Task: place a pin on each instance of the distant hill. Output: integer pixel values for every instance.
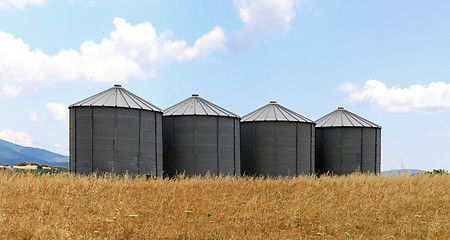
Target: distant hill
(402, 171)
(12, 154)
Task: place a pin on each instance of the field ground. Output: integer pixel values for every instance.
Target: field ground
(63, 206)
(32, 169)
(28, 167)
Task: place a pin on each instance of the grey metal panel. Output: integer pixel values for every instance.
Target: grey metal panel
(116, 140)
(226, 146)
(305, 148)
(159, 144)
(116, 97)
(168, 145)
(378, 152)
(149, 154)
(277, 148)
(344, 118)
(197, 145)
(331, 150)
(343, 150)
(312, 159)
(183, 146)
(196, 105)
(206, 140)
(369, 149)
(274, 112)
(103, 138)
(83, 139)
(127, 141)
(237, 149)
(266, 161)
(351, 150)
(72, 143)
(318, 160)
(248, 148)
(286, 144)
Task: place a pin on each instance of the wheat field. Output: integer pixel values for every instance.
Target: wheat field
(64, 206)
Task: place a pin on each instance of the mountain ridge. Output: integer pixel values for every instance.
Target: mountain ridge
(396, 172)
(12, 154)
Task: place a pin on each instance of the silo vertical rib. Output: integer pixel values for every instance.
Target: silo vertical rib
(75, 140)
(139, 144)
(362, 148)
(92, 140)
(195, 144)
(234, 144)
(296, 149)
(276, 151)
(254, 149)
(115, 140)
(217, 147)
(376, 150)
(156, 146)
(171, 148)
(312, 136)
(342, 147)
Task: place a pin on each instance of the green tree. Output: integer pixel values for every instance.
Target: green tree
(24, 163)
(36, 164)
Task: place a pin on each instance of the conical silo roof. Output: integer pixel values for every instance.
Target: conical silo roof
(274, 112)
(116, 96)
(344, 118)
(195, 105)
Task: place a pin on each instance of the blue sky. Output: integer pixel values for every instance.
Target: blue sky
(387, 61)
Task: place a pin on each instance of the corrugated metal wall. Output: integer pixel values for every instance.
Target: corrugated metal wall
(200, 144)
(277, 148)
(344, 150)
(118, 140)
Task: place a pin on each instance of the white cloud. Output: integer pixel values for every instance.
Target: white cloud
(33, 117)
(347, 87)
(20, 138)
(207, 44)
(430, 98)
(263, 19)
(58, 110)
(131, 52)
(9, 90)
(439, 133)
(20, 4)
(266, 17)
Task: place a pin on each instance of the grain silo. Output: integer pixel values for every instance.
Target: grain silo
(115, 131)
(346, 142)
(200, 137)
(276, 141)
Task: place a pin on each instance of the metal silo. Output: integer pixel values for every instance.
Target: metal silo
(200, 137)
(115, 131)
(346, 142)
(276, 141)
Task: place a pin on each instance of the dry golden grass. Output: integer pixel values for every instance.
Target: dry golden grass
(63, 206)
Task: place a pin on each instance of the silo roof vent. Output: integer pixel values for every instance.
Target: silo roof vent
(344, 118)
(274, 112)
(116, 97)
(196, 105)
